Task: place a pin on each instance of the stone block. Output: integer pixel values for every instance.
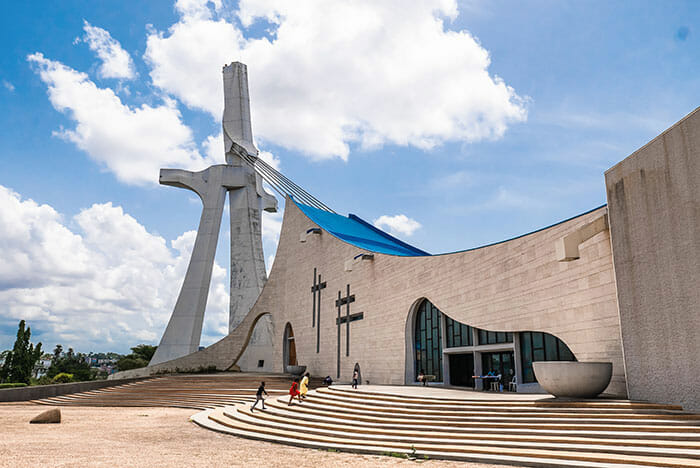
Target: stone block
(52, 416)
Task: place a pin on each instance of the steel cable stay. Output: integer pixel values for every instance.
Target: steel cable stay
(278, 181)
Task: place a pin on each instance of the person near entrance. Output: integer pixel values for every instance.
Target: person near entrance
(421, 378)
(259, 396)
(355, 376)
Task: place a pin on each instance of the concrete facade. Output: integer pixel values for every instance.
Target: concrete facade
(516, 285)
(617, 284)
(654, 200)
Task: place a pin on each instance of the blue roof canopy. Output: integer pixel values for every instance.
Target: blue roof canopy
(356, 231)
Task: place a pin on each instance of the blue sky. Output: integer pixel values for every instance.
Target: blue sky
(387, 117)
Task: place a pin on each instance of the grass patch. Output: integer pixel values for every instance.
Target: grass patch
(13, 385)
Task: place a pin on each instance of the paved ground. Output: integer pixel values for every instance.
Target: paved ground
(154, 437)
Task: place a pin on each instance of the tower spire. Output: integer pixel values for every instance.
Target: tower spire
(238, 133)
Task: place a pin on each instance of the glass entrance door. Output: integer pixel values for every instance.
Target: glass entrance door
(501, 363)
(462, 369)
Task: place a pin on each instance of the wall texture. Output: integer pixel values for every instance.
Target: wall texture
(513, 286)
(654, 210)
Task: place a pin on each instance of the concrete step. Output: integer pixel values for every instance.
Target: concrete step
(458, 451)
(466, 411)
(302, 412)
(367, 413)
(281, 416)
(543, 402)
(202, 419)
(269, 420)
(182, 391)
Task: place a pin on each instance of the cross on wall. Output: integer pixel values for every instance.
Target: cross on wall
(316, 312)
(345, 301)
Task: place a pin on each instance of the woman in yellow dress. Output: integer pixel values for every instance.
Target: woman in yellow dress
(304, 386)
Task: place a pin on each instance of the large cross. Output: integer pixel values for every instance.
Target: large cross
(344, 301)
(316, 290)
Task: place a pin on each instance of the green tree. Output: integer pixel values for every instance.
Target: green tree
(20, 362)
(57, 352)
(139, 357)
(144, 351)
(127, 363)
(63, 378)
(69, 363)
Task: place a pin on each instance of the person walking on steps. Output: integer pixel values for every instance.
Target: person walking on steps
(355, 377)
(259, 396)
(304, 386)
(294, 392)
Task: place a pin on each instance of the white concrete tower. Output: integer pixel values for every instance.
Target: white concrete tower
(247, 199)
(247, 203)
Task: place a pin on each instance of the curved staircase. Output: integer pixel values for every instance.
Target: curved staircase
(196, 391)
(545, 432)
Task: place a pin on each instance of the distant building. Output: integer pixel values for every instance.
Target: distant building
(42, 366)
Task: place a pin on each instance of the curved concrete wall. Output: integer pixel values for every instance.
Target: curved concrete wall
(516, 285)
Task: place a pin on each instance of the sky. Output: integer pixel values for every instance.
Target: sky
(450, 124)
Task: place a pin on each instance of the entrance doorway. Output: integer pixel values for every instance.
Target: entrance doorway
(501, 363)
(289, 348)
(462, 369)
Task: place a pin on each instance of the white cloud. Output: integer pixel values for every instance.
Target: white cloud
(328, 75)
(398, 224)
(8, 86)
(334, 73)
(36, 248)
(133, 143)
(116, 62)
(109, 277)
(270, 159)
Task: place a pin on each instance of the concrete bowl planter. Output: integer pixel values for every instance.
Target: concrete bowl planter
(571, 379)
(296, 370)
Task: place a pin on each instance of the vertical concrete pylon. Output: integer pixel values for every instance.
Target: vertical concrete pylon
(184, 329)
(248, 199)
(236, 119)
(247, 203)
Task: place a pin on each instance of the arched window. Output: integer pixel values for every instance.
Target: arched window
(428, 341)
(458, 334)
(540, 346)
